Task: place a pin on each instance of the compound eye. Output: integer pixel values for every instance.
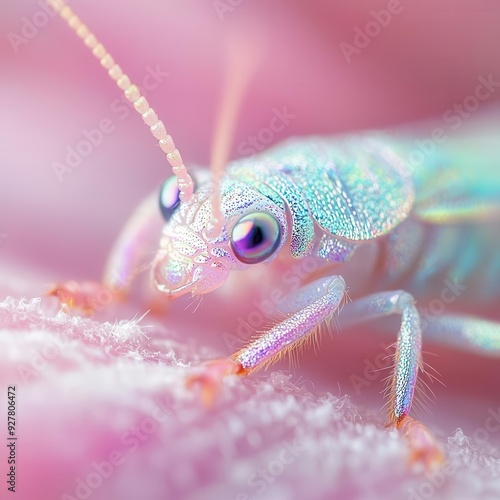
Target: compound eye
(255, 237)
(169, 197)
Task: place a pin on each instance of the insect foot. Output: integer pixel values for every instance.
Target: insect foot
(210, 375)
(426, 454)
(86, 297)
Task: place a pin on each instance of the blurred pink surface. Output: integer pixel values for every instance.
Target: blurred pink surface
(428, 58)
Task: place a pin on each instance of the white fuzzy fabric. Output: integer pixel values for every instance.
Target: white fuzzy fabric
(83, 386)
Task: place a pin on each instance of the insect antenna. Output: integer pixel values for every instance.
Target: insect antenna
(243, 57)
(133, 94)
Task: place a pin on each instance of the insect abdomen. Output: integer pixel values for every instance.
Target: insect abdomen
(423, 257)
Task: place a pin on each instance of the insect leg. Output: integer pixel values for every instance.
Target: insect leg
(312, 304)
(424, 448)
(466, 333)
(128, 256)
(132, 248)
(408, 350)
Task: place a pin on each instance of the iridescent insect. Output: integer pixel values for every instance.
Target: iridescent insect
(392, 232)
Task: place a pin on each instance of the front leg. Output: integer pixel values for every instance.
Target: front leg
(309, 307)
(130, 255)
(314, 303)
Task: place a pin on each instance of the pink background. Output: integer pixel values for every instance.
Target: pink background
(428, 58)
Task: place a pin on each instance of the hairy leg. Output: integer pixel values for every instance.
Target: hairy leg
(424, 448)
(308, 308)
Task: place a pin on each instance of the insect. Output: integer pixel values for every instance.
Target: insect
(386, 229)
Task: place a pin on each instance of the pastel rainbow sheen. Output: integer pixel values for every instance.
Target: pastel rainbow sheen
(255, 237)
(354, 188)
(408, 361)
(325, 296)
(169, 197)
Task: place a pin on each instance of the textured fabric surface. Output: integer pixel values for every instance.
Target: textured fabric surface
(104, 414)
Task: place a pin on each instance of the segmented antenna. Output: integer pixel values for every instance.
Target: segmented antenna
(132, 93)
(243, 55)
